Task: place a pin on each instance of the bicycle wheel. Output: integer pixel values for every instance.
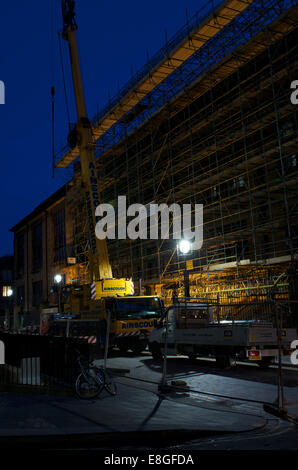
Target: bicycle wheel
(88, 386)
(99, 376)
(110, 385)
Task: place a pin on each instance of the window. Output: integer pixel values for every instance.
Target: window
(21, 295)
(135, 308)
(287, 129)
(37, 293)
(7, 291)
(59, 236)
(238, 183)
(291, 163)
(37, 246)
(6, 275)
(214, 193)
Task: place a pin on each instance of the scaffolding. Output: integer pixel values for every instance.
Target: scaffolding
(245, 25)
(218, 130)
(206, 23)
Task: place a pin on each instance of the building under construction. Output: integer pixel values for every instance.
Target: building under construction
(208, 120)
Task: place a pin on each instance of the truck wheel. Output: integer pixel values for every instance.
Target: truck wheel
(192, 357)
(264, 363)
(139, 347)
(123, 348)
(223, 361)
(156, 351)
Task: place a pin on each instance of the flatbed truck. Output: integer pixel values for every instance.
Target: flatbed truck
(190, 328)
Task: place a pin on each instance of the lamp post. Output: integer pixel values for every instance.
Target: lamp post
(184, 248)
(9, 294)
(58, 280)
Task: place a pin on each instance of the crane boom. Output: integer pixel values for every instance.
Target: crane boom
(99, 265)
(108, 297)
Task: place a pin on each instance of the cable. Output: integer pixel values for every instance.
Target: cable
(52, 60)
(53, 130)
(64, 82)
(292, 420)
(203, 393)
(204, 406)
(52, 42)
(179, 389)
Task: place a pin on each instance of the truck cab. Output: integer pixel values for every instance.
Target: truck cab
(132, 319)
(179, 316)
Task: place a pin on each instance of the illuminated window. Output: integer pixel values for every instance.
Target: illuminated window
(6, 291)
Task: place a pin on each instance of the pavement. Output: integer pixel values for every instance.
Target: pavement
(141, 412)
(135, 409)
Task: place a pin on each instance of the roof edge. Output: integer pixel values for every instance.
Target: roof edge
(41, 207)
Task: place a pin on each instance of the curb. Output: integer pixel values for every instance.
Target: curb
(151, 439)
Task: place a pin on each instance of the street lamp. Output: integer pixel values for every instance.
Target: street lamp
(9, 294)
(184, 248)
(58, 280)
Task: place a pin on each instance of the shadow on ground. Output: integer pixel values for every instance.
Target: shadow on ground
(183, 366)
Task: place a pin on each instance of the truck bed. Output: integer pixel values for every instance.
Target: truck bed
(244, 334)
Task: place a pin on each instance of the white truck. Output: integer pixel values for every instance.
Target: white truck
(189, 328)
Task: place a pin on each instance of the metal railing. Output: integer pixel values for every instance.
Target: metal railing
(40, 362)
(255, 308)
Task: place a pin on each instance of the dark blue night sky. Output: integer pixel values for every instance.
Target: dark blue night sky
(113, 37)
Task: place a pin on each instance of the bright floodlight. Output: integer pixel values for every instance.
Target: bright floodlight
(9, 292)
(58, 278)
(184, 246)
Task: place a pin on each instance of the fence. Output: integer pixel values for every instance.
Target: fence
(252, 308)
(40, 362)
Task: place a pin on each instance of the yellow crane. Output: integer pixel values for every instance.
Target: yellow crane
(82, 136)
(132, 317)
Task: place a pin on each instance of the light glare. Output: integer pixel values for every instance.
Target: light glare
(58, 278)
(184, 246)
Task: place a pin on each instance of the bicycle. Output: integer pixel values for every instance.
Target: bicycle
(109, 383)
(92, 380)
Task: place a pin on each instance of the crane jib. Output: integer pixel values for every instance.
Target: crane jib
(91, 223)
(92, 201)
(93, 185)
(98, 260)
(68, 14)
